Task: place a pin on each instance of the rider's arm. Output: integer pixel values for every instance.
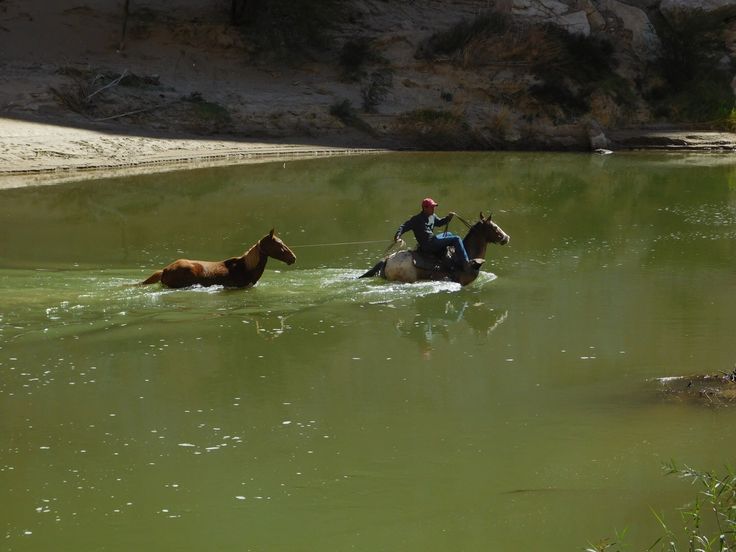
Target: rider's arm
(444, 221)
(405, 227)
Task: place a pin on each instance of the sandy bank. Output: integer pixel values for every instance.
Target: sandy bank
(40, 153)
(199, 94)
(35, 153)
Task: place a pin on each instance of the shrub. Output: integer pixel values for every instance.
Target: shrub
(88, 87)
(291, 27)
(355, 55)
(580, 65)
(376, 89)
(458, 36)
(555, 92)
(730, 122)
(581, 58)
(694, 88)
(344, 111)
(209, 111)
(436, 129)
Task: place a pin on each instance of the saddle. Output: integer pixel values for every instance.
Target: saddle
(440, 263)
(429, 262)
(436, 263)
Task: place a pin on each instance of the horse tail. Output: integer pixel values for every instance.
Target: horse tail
(152, 279)
(375, 270)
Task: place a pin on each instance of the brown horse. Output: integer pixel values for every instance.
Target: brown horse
(410, 266)
(241, 271)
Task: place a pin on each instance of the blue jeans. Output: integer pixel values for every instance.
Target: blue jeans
(438, 244)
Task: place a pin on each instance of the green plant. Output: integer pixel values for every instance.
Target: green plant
(616, 544)
(707, 525)
(730, 121)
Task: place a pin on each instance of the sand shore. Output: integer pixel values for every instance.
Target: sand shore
(37, 153)
(201, 82)
(34, 153)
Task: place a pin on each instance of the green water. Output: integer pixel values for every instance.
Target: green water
(320, 412)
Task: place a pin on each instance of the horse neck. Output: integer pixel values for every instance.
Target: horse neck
(475, 245)
(255, 259)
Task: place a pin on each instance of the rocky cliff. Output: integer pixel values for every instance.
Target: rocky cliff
(491, 74)
(554, 73)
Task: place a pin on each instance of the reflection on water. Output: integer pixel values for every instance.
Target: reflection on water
(361, 413)
(433, 325)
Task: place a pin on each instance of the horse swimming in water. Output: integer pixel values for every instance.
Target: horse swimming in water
(238, 272)
(410, 266)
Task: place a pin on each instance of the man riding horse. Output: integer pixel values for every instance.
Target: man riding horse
(423, 223)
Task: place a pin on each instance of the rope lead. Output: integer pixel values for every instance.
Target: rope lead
(338, 243)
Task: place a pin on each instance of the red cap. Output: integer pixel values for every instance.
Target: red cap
(429, 202)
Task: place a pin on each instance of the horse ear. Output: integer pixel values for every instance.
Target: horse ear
(272, 232)
(481, 216)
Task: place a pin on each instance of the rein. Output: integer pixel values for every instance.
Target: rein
(461, 219)
(465, 222)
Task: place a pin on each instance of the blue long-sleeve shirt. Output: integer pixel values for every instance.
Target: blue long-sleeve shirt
(423, 227)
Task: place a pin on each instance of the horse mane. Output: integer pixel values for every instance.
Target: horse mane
(474, 243)
(474, 229)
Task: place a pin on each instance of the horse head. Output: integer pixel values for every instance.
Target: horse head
(491, 232)
(272, 246)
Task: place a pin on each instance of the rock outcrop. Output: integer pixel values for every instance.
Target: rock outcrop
(714, 389)
(440, 74)
(678, 12)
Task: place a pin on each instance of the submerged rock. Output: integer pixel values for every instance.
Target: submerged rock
(715, 388)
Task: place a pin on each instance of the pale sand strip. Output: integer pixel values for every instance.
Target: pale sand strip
(34, 154)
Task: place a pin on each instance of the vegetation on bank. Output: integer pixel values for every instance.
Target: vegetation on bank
(493, 81)
(690, 82)
(564, 69)
(98, 95)
(436, 129)
(462, 35)
(345, 112)
(706, 525)
(565, 72)
(284, 28)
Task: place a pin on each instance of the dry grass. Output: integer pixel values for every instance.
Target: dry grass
(436, 130)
